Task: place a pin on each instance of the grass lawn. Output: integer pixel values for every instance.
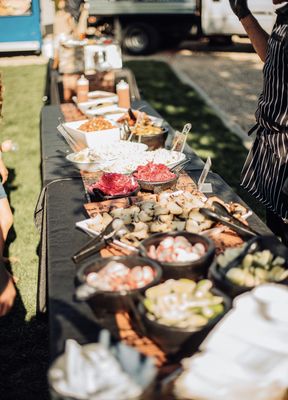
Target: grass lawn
(23, 337)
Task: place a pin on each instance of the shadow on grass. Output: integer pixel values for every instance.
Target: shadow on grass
(23, 344)
(24, 355)
(180, 104)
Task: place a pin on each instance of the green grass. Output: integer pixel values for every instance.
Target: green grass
(23, 337)
(179, 104)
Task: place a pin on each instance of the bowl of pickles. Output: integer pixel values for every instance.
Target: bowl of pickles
(179, 313)
(261, 260)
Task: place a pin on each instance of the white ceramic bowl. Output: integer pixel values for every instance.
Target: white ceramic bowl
(87, 166)
(94, 138)
(169, 158)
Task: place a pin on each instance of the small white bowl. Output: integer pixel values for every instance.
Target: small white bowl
(87, 166)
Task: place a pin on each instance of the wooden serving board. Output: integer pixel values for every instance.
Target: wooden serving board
(225, 239)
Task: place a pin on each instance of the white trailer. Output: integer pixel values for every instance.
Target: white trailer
(217, 17)
(142, 25)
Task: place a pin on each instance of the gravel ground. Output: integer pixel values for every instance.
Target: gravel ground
(231, 78)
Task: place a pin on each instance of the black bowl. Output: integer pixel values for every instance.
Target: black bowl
(231, 289)
(98, 195)
(176, 270)
(153, 142)
(171, 339)
(108, 300)
(157, 187)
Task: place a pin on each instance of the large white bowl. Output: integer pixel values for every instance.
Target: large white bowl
(181, 157)
(95, 138)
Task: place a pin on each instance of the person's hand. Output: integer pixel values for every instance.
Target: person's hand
(240, 8)
(3, 171)
(7, 297)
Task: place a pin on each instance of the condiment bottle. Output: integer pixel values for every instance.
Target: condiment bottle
(122, 89)
(82, 89)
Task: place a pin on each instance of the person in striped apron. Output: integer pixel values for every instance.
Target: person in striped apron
(265, 172)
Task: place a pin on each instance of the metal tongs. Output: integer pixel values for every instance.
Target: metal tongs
(226, 218)
(98, 243)
(132, 115)
(68, 138)
(180, 166)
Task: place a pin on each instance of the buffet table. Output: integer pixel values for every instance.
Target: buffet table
(55, 168)
(60, 207)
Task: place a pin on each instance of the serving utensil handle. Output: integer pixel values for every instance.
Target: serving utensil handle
(180, 166)
(215, 217)
(89, 251)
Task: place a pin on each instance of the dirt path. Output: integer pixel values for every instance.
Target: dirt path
(232, 80)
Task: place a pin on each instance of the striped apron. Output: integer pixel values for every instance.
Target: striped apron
(266, 167)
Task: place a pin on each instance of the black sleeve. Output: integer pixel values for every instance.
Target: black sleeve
(73, 7)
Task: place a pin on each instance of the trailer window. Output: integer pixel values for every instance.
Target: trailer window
(15, 7)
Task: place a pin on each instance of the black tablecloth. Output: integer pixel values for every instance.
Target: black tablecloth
(69, 319)
(63, 207)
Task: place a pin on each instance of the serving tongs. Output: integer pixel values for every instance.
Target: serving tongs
(131, 114)
(127, 131)
(98, 243)
(66, 135)
(180, 166)
(226, 218)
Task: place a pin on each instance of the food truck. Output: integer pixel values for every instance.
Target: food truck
(20, 27)
(142, 25)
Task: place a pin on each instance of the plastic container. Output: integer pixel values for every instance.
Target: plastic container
(123, 92)
(92, 139)
(82, 89)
